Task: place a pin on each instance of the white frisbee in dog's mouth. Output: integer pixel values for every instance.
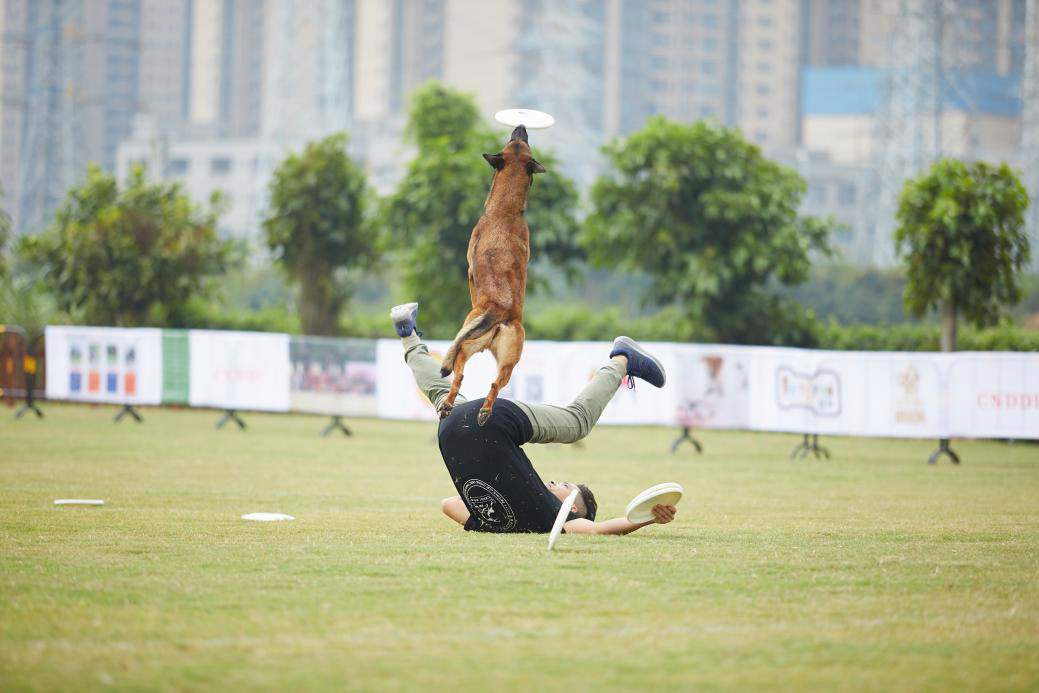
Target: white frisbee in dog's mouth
(529, 118)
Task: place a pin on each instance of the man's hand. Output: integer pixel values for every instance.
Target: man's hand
(662, 514)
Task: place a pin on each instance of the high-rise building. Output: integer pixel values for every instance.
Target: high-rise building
(732, 61)
(890, 85)
(767, 72)
(201, 66)
(309, 65)
(70, 92)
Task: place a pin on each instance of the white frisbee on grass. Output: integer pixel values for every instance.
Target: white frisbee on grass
(527, 117)
(267, 517)
(564, 510)
(640, 509)
(78, 501)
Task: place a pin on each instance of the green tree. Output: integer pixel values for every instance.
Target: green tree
(318, 229)
(962, 242)
(712, 222)
(128, 256)
(432, 214)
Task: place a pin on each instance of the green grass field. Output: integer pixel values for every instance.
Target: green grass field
(870, 571)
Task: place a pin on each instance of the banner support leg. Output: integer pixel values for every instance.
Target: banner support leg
(809, 445)
(127, 409)
(943, 448)
(231, 415)
(686, 435)
(28, 406)
(336, 424)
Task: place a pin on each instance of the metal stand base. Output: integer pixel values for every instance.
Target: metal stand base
(336, 424)
(686, 435)
(231, 415)
(810, 445)
(27, 407)
(943, 448)
(127, 409)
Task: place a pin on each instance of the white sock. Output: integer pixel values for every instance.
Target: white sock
(411, 340)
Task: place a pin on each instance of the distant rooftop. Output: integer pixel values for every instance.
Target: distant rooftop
(860, 90)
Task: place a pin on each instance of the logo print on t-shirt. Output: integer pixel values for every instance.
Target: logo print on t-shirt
(492, 508)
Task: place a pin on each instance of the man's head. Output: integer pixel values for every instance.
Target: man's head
(584, 504)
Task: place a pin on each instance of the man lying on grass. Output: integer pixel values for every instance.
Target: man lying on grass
(499, 491)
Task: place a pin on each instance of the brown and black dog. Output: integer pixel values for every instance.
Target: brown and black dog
(498, 253)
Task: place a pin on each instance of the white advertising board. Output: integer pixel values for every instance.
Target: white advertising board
(104, 364)
(854, 393)
(239, 370)
(994, 395)
(898, 394)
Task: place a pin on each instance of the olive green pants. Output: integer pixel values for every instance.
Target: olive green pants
(551, 424)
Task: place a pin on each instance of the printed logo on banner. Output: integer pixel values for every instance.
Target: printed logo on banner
(533, 387)
(819, 393)
(909, 408)
(332, 376)
(130, 372)
(700, 411)
(1008, 400)
(111, 377)
(75, 366)
(93, 374)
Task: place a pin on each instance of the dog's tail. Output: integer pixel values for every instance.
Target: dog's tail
(476, 327)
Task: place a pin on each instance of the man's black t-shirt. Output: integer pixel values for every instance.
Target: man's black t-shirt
(493, 476)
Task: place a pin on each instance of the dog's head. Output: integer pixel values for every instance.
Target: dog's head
(516, 153)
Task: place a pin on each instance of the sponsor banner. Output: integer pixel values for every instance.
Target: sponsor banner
(104, 364)
(332, 376)
(176, 372)
(853, 393)
(994, 395)
(712, 384)
(899, 394)
(239, 370)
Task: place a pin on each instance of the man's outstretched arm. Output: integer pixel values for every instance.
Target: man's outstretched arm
(662, 514)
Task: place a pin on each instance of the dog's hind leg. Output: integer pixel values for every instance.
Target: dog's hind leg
(507, 348)
(464, 352)
(477, 323)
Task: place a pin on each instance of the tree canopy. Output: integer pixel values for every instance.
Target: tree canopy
(962, 241)
(317, 228)
(435, 207)
(129, 256)
(712, 221)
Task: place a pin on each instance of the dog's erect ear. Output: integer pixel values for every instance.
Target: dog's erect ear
(534, 166)
(495, 160)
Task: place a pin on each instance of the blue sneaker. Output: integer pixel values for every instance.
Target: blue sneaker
(404, 318)
(640, 363)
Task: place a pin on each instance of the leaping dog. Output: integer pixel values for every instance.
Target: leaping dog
(499, 250)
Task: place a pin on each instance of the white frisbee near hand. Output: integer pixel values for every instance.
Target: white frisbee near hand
(564, 510)
(529, 118)
(640, 509)
(78, 501)
(267, 517)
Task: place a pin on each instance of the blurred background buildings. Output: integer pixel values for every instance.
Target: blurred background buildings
(856, 94)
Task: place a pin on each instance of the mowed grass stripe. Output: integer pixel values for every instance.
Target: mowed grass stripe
(869, 571)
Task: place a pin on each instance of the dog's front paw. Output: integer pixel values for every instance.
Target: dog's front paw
(485, 414)
(445, 409)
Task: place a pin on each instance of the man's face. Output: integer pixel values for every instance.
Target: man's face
(562, 489)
